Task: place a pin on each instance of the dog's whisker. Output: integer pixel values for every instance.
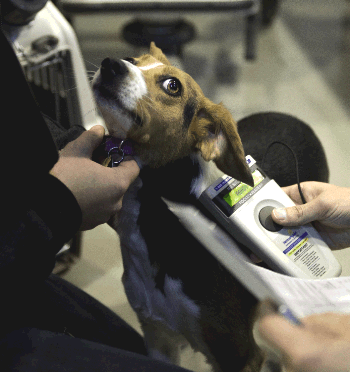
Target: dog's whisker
(71, 75)
(142, 111)
(91, 63)
(90, 78)
(149, 103)
(73, 88)
(135, 114)
(152, 106)
(88, 112)
(138, 109)
(148, 97)
(71, 72)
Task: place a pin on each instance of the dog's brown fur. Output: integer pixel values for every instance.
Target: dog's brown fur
(160, 141)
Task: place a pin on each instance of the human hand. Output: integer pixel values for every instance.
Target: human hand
(321, 344)
(327, 205)
(98, 190)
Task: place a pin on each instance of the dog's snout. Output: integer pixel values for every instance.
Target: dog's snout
(111, 68)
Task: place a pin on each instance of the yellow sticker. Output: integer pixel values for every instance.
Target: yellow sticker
(302, 243)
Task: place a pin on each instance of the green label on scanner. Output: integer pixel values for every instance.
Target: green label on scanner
(235, 195)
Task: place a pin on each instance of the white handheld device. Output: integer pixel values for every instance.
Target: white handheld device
(245, 212)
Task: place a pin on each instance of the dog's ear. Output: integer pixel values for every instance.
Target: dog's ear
(158, 54)
(216, 137)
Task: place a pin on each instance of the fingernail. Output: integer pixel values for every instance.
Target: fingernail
(97, 128)
(280, 213)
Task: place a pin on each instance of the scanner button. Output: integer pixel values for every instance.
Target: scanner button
(267, 221)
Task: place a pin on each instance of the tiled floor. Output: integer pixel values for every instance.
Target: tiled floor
(301, 68)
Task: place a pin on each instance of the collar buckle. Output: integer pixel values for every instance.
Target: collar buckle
(118, 150)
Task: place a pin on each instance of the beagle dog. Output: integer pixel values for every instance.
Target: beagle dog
(183, 142)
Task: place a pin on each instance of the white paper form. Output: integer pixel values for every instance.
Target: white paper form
(308, 296)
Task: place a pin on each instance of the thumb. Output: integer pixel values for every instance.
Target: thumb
(297, 215)
(87, 142)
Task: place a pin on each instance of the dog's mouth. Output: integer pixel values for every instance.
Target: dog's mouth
(104, 95)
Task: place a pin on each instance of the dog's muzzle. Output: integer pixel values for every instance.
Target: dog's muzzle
(117, 90)
(111, 68)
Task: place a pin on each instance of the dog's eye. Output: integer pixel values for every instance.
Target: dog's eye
(172, 86)
(131, 60)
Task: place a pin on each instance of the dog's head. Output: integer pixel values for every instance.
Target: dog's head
(165, 113)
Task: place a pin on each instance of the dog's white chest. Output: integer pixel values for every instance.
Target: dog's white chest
(170, 306)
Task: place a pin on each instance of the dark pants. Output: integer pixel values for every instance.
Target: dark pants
(102, 341)
(39, 340)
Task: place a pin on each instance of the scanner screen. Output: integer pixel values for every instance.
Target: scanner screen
(242, 189)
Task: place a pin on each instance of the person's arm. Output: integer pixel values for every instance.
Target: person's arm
(33, 229)
(40, 211)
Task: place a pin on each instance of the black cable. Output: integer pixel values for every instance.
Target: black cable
(296, 164)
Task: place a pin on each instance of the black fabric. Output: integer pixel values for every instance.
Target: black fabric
(259, 130)
(62, 136)
(39, 213)
(33, 350)
(26, 141)
(59, 306)
(40, 338)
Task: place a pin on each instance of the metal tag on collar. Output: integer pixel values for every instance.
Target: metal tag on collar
(118, 150)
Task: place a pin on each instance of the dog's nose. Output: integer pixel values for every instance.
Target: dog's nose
(111, 68)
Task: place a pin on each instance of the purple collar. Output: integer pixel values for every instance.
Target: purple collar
(112, 143)
(112, 151)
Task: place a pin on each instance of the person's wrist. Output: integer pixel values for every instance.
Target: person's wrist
(56, 205)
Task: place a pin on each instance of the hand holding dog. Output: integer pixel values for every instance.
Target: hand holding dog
(327, 205)
(321, 344)
(98, 190)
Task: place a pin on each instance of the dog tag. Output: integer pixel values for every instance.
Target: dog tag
(112, 151)
(117, 155)
(107, 161)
